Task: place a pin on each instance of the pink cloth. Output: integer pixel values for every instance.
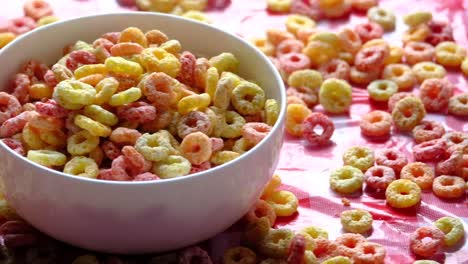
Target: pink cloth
(305, 170)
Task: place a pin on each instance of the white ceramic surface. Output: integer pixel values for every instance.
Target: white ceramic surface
(139, 217)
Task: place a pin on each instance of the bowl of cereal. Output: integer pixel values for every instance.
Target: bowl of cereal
(146, 133)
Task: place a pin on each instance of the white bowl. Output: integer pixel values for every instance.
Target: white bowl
(139, 217)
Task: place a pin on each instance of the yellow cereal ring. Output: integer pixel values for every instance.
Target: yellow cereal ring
(224, 156)
(284, 203)
(171, 167)
(101, 115)
(359, 157)
(82, 143)
(295, 116)
(73, 95)
(93, 127)
(403, 193)
(160, 60)
(356, 221)
(225, 62)
(48, 158)
(347, 179)
(417, 18)
(453, 229)
(119, 65)
(82, 167)
(335, 95)
(125, 97)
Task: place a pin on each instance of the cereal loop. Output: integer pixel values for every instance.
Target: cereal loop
(309, 125)
(426, 241)
(403, 193)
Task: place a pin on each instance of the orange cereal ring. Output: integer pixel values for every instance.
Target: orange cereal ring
(408, 113)
(349, 243)
(376, 124)
(254, 132)
(435, 94)
(456, 138)
(369, 252)
(426, 241)
(289, 46)
(396, 98)
(126, 49)
(196, 148)
(458, 105)
(158, 89)
(325, 249)
(420, 173)
(448, 187)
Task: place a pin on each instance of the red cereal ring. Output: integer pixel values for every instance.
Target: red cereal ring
(395, 98)
(50, 79)
(80, 57)
(349, 243)
(415, 52)
(192, 122)
(187, 68)
(158, 89)
(21, 25)
(35, 70)
(289, 46)
(294, 61)
(51, 108)
(146, 176)
(429, 150)
(15, 124)
(119, 169)
(456, 138)
(368, 31)
(435, 94)
(297, 249)
(428, 130)
(376, 124)
(310, 9)
(21, 85)
(308, 96)
(335, 68)
(440, 31)
(255, 132)
(426, 241)
(201, 167)
(379, 177)
(139, 112)
(15, 145)
(391, 158)
(318, 119)
(451, 163)
(9, 107)
(325, 249)
(110, 150)
(370, 58)
(37, 9)
(449, 187)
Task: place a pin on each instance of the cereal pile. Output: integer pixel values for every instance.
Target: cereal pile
(193, 9)
(134, 106)
(36, 13)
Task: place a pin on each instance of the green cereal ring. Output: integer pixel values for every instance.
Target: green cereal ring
(359, 157)
(381, 90)
(452, 228)
(356, 221)
(173, 166)
(347, 179)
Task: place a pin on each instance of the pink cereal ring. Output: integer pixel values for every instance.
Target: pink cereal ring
(102, 42)
(429, 150)
(158, 89)
(140, 112)
(35, 70)
(335, 68)
(289, 46)
(21, 25)
(194, 121)
(451, 163)
(325, 249)
(21, 85)
(217, 144)
(80, 57)
(201, 167)
(456, 138)
(379, 177)
(255, 132)
(435, 94)
(428, 130)
(391, 158)
(147, 176)
(9, 106)
(395, 98)
(370, 58)
(297, 249)
(124, 136)
(105, 174)
(294, 61)
(188, 62)
(310, 9)
(112, 36)
(189, 255)
(51, 108)
(50, 79)
(119, 169)
(439, 31)
(15, 124)
(426, 241)
(110, 150)
(418, 52)
(318, 119)
(15, 145)
(368, 31)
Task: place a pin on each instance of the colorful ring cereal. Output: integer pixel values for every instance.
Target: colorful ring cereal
(338, 260)
(240, 98)
(314, 232)
(440, 31)
(369, 252)
(453, 229)
(383, 17)
(428, 130)
(239, 254)
(382, 90)
(464, 67)
(456, 138)
(397, 97)
(294, 61)
(450, 54)
(188, 255)
(350, 40)
(279, 5)
(420, 173)
(320, 52)
(346, 180)
(429, 150)
(361, 77)
(436, 93)
(408, 113)
(369, 31)
(172, 166)
(376, 124)
(21, 25)
(370, 58)
(47, 158)
(297, 249)
(359, 157)
(196, 147)
(276, 243)
(305, 78)
(255, 132)
(416, 52)
(403, 193)
(261, 209)
(294, 22)
(5, 38)
(295, 116)
(426, 247)
(417, 18)
(418, 33)
(379, 177)
(356, 221)
(449, 187)
(427, 70)
(335, 96)
(82, 167)
(309, 125)
(256, 231)
(289, 46)
(335, 68)
(458, 105)
(349, 243)
(284, 203)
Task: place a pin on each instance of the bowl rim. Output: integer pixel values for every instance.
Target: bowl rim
(277, 126)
